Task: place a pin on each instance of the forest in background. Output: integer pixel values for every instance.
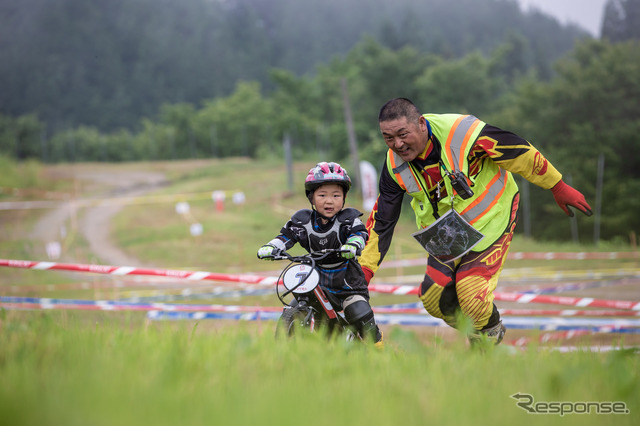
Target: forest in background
(108, 64)
(154, 80)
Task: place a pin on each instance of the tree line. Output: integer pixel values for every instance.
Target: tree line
(110, 64)
(583, 114)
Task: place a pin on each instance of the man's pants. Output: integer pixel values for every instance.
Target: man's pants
(467, 284)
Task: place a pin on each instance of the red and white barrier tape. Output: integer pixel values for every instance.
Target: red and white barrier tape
(569, 301)
(528, 312)
(524, 298)
(256, 279)
(549, 337)
(106, 305)
(46, 303)
(419, 261)
(127, 270)
(183, 312)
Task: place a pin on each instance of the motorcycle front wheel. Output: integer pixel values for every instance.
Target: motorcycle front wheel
(294, 320)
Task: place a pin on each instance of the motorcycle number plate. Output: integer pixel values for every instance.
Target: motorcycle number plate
(296, 274)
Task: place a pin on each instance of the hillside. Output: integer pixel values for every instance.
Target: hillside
(110, 64)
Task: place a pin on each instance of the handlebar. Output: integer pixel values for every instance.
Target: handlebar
(305, 258)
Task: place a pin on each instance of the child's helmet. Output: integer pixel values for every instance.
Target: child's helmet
(324, 173)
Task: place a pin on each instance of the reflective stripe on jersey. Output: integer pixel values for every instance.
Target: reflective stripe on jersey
(483, 202)
(404, 174)
(457, 144)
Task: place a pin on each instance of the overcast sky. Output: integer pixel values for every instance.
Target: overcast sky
(585, 13)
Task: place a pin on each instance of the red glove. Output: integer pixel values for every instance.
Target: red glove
(368, 274)
(567, 196)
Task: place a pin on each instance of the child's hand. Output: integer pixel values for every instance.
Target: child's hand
(266, 250)
(349, 251)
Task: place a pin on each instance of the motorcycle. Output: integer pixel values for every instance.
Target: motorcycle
(310, 308)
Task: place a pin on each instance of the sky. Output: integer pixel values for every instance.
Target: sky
(585, 13)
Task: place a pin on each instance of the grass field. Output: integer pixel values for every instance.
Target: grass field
(63, 368)
(119, 368)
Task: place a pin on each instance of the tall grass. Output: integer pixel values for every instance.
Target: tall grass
(60, 368)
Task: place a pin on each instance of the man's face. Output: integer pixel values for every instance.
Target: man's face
(407, 139)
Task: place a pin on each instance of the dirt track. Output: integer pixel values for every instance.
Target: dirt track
(93, 222)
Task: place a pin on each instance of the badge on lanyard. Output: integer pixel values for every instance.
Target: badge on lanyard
(449, 237)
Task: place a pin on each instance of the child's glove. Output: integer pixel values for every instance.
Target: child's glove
(349, 251)
(266, 250)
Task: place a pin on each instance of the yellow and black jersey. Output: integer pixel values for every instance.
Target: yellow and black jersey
(506, 149)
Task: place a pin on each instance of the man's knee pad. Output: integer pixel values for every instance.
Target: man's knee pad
(359, 314)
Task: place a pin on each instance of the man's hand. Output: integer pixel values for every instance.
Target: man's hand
(567, 196)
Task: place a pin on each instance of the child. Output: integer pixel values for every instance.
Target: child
(329, 225)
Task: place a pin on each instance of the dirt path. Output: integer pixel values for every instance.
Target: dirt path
(93, 223)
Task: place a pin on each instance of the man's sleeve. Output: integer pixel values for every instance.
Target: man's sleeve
(382, 221)
(516, 155)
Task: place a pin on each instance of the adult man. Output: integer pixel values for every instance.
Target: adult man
(457, 170)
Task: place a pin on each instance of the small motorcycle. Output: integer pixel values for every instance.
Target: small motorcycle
(310, 309)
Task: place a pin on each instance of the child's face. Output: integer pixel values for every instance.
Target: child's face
(328, 199)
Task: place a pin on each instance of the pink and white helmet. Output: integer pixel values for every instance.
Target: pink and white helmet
(324, 173)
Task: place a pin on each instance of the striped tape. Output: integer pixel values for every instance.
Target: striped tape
(529, 312)
(525, 298)
(189, 294)
(590, 325)
(422, 261)
(571, 286)
(256, 279)
(159, 311)
(549, 337)
(126, 270)
(120, 305)
(571, 301)
(111, 305)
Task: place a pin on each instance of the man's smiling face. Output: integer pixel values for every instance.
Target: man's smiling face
(407, 139)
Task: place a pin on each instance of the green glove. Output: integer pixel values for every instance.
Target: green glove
(266, 251)
(349, 251)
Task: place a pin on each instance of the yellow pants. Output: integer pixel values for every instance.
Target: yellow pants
(466, 285)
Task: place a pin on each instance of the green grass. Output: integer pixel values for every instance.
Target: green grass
(60, 368)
